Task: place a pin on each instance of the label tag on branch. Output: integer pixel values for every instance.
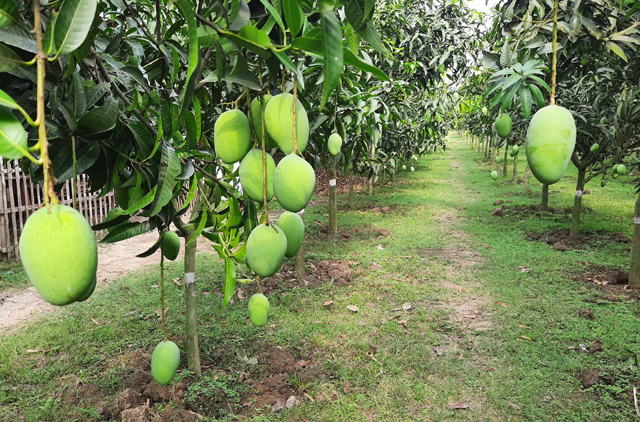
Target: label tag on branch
(332, 182)
(301, 211)
(578, 194)
(636, 220)
(189, 278)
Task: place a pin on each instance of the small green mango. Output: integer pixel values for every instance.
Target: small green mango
(293, 183)
(266, 248)
(484, 111)
(252, 175)
(594, 148)
(278, 118)
(503, 125)
(232, 136)
(494, 175)
(514, 150)
(293, 228)
(412, 169)
(258, 309)
(404, 167)
(498, 159)
(164, 362)
(59, 252)
(614, 175)
(334, 144)
(621, 169)
(170, 245)
(256, 117)
(550, 140)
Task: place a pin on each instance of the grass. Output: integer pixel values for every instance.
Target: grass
(447, 256)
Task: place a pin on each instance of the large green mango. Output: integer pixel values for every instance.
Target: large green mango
(170, 245)
(232, 136)
(266, 247)
(503, 125)
(59, 253)
(293, 183)
(549, 144)
(278, 119)
(164, 362)
(258, 309)
(293, 227)
(252, 175)
(257, 113)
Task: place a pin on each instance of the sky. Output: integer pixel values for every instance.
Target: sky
(481, 5)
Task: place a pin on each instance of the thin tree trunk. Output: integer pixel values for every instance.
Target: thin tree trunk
(371, 185)
(191, 298)
(298, 266)
(487, 147)
(527, 187)
(634, 266)
(351, 191)
(493, 156)
(333, 203)
(544, 205)
(515, 169)
(504, 166)
(577, 204)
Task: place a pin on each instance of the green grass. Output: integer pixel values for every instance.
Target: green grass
(368, 366)
(12, 277)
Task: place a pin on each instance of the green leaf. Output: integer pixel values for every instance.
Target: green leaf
(353, 38)
(229, 280)
(127, 231)
(165, 114)
(201, 225)
(152, 249)
(49, 44)
(9, 14)
(101, 119)
(9, 60)
(540, 82)
(143, 137)
(12, 136)
(188, 171)
(333, 56)
(235, 216)
(20, 37)
(355, 12)
(79, 98)
(242, 17)
(191, 127)
(525, 101)
(169, 168)
(193, 188)
(194, 52)
(369, 34)
(95, 93)
(137, 75)
(274, 14)
(142, 202)
(353, 60)
(537, 95)
(198, 114)
(73, 24)
(294, 16)
(252, 39)
(507, 98)
(85, 159)
(618, 50)
(7, 101)
(69, 117)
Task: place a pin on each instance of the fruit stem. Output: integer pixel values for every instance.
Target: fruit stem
(554, 62)
(295, 120)
(164, 324)
(41, 59)
(75, 173)
(258, 283)
(264, 160)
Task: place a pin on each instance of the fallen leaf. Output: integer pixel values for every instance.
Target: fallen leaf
(241, 295)
(328, 303)
(206, 293)
(404, 323)
(31, 351)
(406, 256)
(524, 326)
(177, 281)
(407, 306)
(278, 406)
(525, 338)
(303, 363)
(515, 406)
(458, 406)
(94, 321)
(501, 303)
(459, 289)
(309, 397)
(353, 308)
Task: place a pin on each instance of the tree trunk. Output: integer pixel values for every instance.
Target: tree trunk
(504, 166)
(544, 205)
(298, 266)
(527, 188)
(191, 298)
(351, 191)
(577, 204)
(515, 169)
(492, 153)
(333, 203)
(371, 185)
(634, 267)
(487, 147)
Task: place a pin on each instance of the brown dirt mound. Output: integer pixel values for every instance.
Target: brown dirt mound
(337, 272)
(561, 240)
(610, 281)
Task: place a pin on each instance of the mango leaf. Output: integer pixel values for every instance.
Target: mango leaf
(152, 249)
(353, 39)
(20, 37)
(142, 202)
(11, 135)
(191, 127)
(229, 287)
(193, 187)
(242, 17)
(201, 225)
(618, 50)
(69, 117)
(194, 52)
(9, 60)
(49, 44)
(537, 95)
(188, 171)
(252, 39)
(79, 97)
(137, 75)
(9, 14)
(73, 24)
(235, 216)
(332, 48)
(353, 60)
(85, 159)
(294, 16)
(127, 231)
(95, 93)
(143, 137)
(369, 33)
(525, 101)
(101, 119)
(355, 12)
(169, 169)
(7, 101)
(165, 113)
(274, 15)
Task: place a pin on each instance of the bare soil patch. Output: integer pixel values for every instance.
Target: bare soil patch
(613, 283)
(342, 183)
(325, 271)
(458, 258)
(561, 240)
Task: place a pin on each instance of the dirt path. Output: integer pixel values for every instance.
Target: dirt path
(114, 260)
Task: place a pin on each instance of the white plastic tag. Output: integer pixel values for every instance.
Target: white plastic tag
(636, 220)
(189, 278)
(301, 211)
(578, 194)
(332, 182)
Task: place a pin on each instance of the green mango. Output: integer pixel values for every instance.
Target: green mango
(334, 143)
(86, 295)
(266, 248)
(498, 159)
(412, 169)
(258, 309)
(232, 136)
(404, 167)
(514, 150)
(494, 175)
(293, 183)
(621, 169)
(614, 169)
(484, 111)
(594, 148)
(550, 140)
(503, 125)
(293, 228)
(59, 253)
(278, 118)
(614, 175)
(165, 361)
(252, 175)
(256, 117)
(170, 245)
(12, 133)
